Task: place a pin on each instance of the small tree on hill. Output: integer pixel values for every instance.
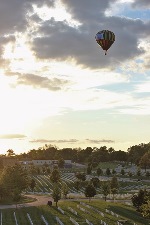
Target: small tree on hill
(139, 199)
(32, 184)
(114, 186)
(122, 172)
(90, 191)
(105, 189)
(145, 210)
(65, 190)
(56, 194)
(89, 170)
(81, 176)
(145, 161)
(99, 171)
(55, 176)
(108, 172)
(95, 181)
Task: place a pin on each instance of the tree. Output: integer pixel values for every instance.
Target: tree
(65, 190)
(90, 191)
(108, 172)
(56, 194)
(114, 183)
(113, 192)
(32, 184)
(130, 174)
(145, 210)
(138, 173)
(122, 172)
(139, 199)
(95, 181)
(145, 161)
(89, 170)
(55, 176)
(81, 176)
(14, 177)
(61, 163)
(3, 192)
(105, 189)
(10, 152)
(99, 171)
(16, 196)
(147, 174)
(113, 171)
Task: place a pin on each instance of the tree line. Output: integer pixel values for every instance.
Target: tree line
(137, 154)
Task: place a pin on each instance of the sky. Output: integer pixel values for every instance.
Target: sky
(57, 87)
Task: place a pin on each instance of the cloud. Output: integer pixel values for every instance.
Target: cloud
(52, 84)
(141, 4)
(13, 14)
(54, 141)
(12, 136)
(60, 41)
(57, 40)
(100, 141)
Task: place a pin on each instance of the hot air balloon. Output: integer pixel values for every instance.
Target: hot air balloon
(105, 39)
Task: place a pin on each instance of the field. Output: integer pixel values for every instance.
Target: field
(84, 214)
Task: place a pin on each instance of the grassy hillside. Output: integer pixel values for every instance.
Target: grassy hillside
(93, 215)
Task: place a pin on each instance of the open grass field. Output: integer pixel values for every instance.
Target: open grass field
(126, 213)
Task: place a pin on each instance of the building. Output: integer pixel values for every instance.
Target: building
(40, 162)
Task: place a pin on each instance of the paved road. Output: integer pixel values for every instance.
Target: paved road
(40, 200)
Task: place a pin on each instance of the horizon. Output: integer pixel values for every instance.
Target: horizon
(58, 87)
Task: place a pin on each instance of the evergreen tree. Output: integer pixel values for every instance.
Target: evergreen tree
(90, 191)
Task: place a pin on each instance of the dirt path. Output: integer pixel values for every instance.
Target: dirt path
(40, 200)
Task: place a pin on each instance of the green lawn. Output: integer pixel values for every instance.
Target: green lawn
(125, 213)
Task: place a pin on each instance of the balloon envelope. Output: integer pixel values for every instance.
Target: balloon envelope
(105, 39)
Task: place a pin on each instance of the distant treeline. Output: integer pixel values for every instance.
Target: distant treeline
(133, 154)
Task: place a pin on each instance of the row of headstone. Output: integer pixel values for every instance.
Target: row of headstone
(118, 223)
(73, 221)
(91, 207)
(62, 211)
(59, 221)
(112, 213)
(44, 220)
(88, 222)
(103, 222)
(15, 218)
(82, 209)
(72, 210)
(28, 215)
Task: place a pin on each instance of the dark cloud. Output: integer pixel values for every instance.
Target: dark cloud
(57, 40)
(12, 136)
(52, 84)
(86, 11)
(54, 141)
(141, 4)
(13, 13)
(99, 141)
